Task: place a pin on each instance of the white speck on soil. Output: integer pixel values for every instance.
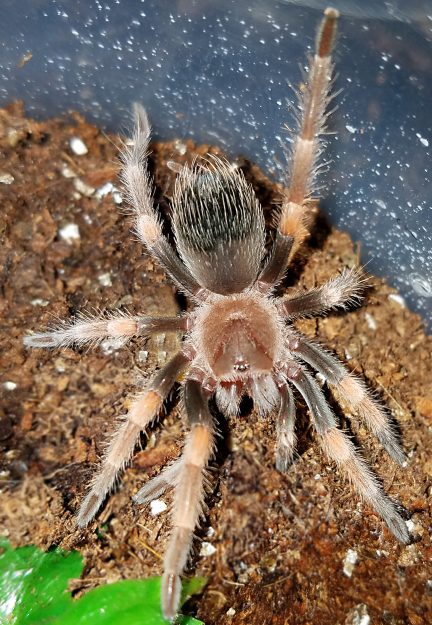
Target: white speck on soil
(105, 279)
(157, 506)
(70, 233)
(83, 188)
(398, 299)
(207, 549)
(350, 561)
(78, 146)
(9, 386)
(6, 178)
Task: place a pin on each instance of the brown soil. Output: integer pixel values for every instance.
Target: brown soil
(281, 540)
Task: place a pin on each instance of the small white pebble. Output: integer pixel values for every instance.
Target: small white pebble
(317, 477)
(105, 279)
(398, 299)
(83, 188)
(143, 355)
(68, 172)
(320, 379)
(9, 386)
(230, 612)
(381, 553)
(372, 324)
(70, 233)
(211, 532)
(39, 302)
(78, 146)
(350, 561)
(6, 178)
(117, 197)
(414, 528)
(358, 616)
(180, 147)
(104, 190)
(348, 355)
(157, 506)
(351, 129)
(207, 549)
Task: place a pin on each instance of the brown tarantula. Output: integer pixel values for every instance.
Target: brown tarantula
(238, 338)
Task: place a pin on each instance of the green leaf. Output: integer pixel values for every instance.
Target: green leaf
(33, 584)
(129, 602)
(33, 591)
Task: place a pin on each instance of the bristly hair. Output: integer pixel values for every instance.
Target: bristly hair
(218, 225)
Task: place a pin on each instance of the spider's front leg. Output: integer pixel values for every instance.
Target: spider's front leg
(142, 411)
(88, 329)
(313, 112)
(138, 187)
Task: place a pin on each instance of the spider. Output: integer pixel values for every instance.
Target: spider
(238, 339)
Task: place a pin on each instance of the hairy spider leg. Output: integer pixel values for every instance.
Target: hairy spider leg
(338, 447)
(189, 493)
(119, 451)
(148, 227)
(292, 226)
(187, 476)
(285, 435)
(87, 329)
(353, 392)
(339, 292)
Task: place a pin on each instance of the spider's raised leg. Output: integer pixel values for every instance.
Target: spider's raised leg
(339, 448)
(189, 493)
(285, 435)
(339, 292)
(139, 193)
(353, 392)
(292, 227)
(142, 411)
(87, 329)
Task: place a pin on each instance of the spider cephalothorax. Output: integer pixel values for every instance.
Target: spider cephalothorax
(238, 337)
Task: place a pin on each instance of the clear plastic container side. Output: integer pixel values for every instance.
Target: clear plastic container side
(220, 73)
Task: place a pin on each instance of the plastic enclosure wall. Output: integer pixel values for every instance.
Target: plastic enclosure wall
(218, 72)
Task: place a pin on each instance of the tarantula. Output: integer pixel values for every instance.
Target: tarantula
(238, 339)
